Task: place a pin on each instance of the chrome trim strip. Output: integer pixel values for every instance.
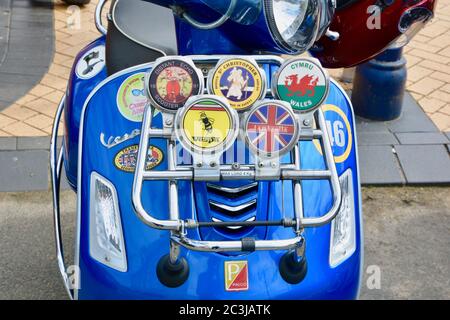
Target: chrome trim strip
(358, 187)
(56, 163)
(232, 190)
(231, 208)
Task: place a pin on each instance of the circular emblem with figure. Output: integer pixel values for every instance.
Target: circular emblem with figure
(239, 80)
(91, 63)
(271, 129)
(303, 83)
(207, 124)
(126, 159)
(131, 97)
(172, 82)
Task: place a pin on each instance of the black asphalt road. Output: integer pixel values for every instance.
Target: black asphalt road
(407, 240)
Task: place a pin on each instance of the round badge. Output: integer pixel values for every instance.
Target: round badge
(126, 159)
(271, 129)
(207, 124)
(172, 82)
(91, 63)
(303, 83)
(239, 80)
(131, 97)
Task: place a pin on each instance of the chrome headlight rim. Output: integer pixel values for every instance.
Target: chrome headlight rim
(313, 7)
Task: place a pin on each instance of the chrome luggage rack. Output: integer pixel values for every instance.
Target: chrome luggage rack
(292, 171)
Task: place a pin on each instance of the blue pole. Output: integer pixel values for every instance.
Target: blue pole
(379, 86)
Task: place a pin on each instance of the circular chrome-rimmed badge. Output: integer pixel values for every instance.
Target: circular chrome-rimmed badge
(239, 80)
(270, 128)
(172, 81)
(206, 125)
(303, 83)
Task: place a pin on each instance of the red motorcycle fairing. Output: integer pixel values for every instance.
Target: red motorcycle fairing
(365, 31)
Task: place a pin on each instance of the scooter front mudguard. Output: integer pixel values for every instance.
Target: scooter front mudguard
(103, 117)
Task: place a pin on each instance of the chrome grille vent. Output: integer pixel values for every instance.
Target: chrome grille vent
(233, 203)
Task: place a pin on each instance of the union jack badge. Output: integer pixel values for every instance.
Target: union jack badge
(271, 128)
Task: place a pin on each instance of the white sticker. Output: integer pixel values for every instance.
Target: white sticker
(91, 63)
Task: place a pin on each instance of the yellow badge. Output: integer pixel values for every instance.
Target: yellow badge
(207, 125)
(240, 81)
(236, 275)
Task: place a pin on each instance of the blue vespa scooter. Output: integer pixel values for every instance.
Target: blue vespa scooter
(204, 167)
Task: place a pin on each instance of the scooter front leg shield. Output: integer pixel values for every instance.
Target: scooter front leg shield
(118, 254)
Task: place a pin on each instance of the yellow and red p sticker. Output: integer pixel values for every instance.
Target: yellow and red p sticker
(236, 275)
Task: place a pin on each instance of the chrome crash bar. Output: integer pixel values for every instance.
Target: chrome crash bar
(56, 163)
(98, 17)
(177, 173)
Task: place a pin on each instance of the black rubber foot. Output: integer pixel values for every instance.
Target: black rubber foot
(293, 271)
(172, 275)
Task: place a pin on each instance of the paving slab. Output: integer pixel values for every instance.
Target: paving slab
(366, 126)
(24, 170)
(413, 119)
(8, 143)
(376, 138)
(422, 138)
(33, 143)
(378, 165)
(424, 164)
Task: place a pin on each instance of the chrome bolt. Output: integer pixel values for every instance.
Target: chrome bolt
(213, 164)
(199, 164)
(236, 166)
(169, 122)
(307, 122)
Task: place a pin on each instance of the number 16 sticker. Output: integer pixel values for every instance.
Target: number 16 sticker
(340, 133)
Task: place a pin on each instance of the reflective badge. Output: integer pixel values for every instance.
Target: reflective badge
(126, 159)
(340, 133)
(91, 63)
(236, 275)
(241, 81)
(303, 83)
(172, 82)
(131, 97)
(206, 125)
(271, 128)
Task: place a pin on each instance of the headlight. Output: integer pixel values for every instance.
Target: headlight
(294, 24)
(343, 233)
(105, 228)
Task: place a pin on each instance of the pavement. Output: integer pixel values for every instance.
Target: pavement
(34, 71)
(406, 239)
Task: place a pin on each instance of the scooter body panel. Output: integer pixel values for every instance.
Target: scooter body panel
(78, 90)
(145, 246)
